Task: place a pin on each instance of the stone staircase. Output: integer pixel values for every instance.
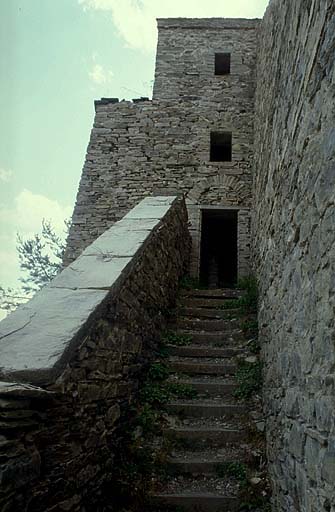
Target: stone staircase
(209, 430)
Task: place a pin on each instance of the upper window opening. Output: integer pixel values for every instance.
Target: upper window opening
(221, 147)
(222, 63)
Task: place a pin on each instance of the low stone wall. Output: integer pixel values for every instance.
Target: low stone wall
(72, 357)
(295, 248)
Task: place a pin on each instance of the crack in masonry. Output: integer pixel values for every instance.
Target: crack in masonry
(19, 328)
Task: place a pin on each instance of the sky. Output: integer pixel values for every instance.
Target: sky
(57, 56)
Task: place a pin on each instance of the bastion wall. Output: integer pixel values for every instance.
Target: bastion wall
(294, 240)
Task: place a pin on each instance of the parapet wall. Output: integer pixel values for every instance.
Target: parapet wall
(294, 236)
(72, 357)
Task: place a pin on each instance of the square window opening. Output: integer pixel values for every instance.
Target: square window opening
(222, 63)
(221, 147)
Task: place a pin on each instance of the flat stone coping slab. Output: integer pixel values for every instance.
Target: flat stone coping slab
(38, 339)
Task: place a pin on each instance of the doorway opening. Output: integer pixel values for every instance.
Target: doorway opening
(218, 249)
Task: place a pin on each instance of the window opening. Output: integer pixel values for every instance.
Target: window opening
(222, 63)
(221, 147)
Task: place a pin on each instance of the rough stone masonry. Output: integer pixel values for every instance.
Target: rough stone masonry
(71, 360)
(280, 114)
(294, 239)
(163, 146)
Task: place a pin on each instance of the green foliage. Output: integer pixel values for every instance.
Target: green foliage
(250, 379)
(154, 394)
(158, 394)
(177, 339)
(249, 301)
(182, 391)
(163, 351)
(158, 371)
(40, 260)
(41, 257)
(250, 327)
(236, 470)
(231, 304)
(147, 419)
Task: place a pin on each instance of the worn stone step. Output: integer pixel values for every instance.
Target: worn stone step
(202, 409)
(207, 325)
(215, 338)
(221, 293)
(209, 387)
(195, 368)
(204, 312)
(202, 302)
(208, 461)
(204, 351)
(194, 465)
(201, 502)
(204, 436)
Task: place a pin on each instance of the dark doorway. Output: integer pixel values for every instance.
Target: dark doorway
(218, 257)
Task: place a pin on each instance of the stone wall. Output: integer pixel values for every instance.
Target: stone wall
(72, 357)
(163, 146)
(295, 254)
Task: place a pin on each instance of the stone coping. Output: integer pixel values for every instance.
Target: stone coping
(209, 23)
(38, 339)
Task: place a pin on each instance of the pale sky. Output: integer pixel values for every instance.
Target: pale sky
(57, 56)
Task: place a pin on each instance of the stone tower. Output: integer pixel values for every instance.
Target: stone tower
(194, 138)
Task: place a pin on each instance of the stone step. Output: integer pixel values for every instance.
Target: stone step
(210, 338)
(202, 409)
(204, 351)
(218, 314)
(202, 302)
(206, 325)
(209, 387)
(202, 502)
(204, 436)
(195, 368)
(218, 293)
(194, 465)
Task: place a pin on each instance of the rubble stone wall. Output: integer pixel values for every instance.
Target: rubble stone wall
(294, 236)
(71, 360)
(163, 146)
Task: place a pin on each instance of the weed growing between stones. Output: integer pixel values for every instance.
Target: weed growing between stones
(174, 338)
(254, 490)
(158, 371)
(236, 470)
(231, 304)
(249, 378)
(159, 394)
(142, 452)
